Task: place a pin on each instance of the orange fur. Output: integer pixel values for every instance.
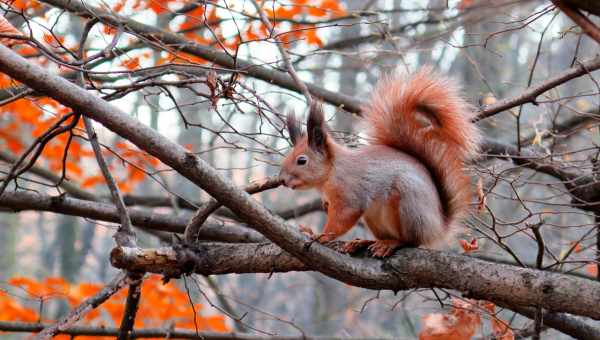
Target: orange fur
(396, 114)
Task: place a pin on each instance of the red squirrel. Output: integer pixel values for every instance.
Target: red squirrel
(408, 184)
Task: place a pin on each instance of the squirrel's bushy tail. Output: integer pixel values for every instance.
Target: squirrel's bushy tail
(424, 115)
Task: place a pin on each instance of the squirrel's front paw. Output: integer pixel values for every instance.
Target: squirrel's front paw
(307, 231)
(321, 238)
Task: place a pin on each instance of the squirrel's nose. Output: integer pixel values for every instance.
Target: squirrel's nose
(284, 177)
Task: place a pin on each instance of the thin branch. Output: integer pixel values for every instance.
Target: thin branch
(586, 24)
(284, 53)
(165, 333)
(124, 235)
(70, 187)
(193, 227)
(131, 308)
(530, 94)
(567, 324)
(66, 322)
(212, 230)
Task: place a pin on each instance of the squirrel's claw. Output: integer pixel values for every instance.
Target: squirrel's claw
(307, 231)
(355, 245)
(384, 248)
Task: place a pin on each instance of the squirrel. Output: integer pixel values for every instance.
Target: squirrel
(408, 184)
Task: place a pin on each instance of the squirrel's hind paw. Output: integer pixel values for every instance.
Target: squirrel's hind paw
(355, 245)
(384, 248)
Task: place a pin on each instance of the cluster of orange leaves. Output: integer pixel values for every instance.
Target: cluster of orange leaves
(160, 304)
(26, 119)
(462, 322)
(249, 30)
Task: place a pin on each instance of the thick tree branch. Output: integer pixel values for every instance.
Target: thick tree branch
(565, 323)
(268, 258)
(591, 6)
(415, 268)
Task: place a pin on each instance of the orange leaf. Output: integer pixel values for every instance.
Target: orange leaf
(217, 323)
(48, 38)
(157, 6)
(14, 145)
(131, 63)
(7, 28)
(469, 246)
(74, 168)
(313, 39)
(250, 35)
(32, 287)
(92, 181)
(118, 6)
(316, 11)
(578, 248)
(23, 5)
(333, 6)
(592, 269)
(501, 331)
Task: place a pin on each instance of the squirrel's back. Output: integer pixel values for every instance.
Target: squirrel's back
(424, 115)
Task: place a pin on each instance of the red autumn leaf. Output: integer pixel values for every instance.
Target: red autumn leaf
(131, 63)
(469, 246)
(312, 38)
(92, 181)
(157, 6)
(592, 269)
(577, 247)
(48, 38)
(7, 28)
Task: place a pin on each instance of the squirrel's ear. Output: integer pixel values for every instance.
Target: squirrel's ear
(317, 129)
(293, 128)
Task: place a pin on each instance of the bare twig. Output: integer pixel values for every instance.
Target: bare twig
(530, 94)
(17, 201)
(125, 234)
(165, 333)
(284, 53)
(586, 24)
(70, 187)
(131, 308)
(85, 307)
(196, 222)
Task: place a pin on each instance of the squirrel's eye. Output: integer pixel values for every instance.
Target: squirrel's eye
(301, 160)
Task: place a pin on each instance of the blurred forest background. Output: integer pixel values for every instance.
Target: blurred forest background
(496, 49)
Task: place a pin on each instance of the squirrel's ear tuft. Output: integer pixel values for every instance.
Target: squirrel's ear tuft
(317, 129)
(293, 128)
